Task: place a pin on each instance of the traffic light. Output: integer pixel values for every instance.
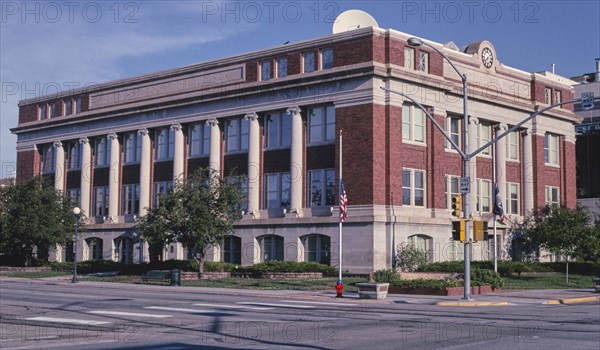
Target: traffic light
(458, 230)
(480, 231)
(457, 206)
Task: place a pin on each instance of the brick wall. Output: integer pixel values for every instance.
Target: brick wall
(354, 51)
(251, 71)
(569, 170)
(28, 165)
(28, 113)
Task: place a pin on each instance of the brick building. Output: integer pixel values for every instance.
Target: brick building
(274, 115)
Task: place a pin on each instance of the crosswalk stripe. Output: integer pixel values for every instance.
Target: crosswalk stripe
(235, 307)
(121, 313)
(277, 305)
(319, 302)
(180, 309)
(67, 320)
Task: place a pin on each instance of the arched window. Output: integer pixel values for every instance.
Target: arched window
(424, 243)
(317, 248)
(232, 250)
(94, 248)
(271, 247)
(124, 250)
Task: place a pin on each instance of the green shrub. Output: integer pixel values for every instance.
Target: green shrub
(410, 258)
(386, 276)
(423, 283)
(484, 277)
(289, 266)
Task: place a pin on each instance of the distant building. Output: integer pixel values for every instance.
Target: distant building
(275, 114)
(7, 182)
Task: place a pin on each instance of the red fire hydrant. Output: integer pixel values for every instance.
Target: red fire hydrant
(339, 288)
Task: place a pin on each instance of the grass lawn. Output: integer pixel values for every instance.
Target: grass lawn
(550, 280)
(39, 274)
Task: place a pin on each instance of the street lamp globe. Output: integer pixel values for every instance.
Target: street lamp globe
(414, 41)
(76, 211)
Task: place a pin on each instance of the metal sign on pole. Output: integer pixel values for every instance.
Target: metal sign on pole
(587, 100)
(465, 184)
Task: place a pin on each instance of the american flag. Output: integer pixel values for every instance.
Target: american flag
(498, 210)
(343, 202)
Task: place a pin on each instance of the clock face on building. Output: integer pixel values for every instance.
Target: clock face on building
(487, 58)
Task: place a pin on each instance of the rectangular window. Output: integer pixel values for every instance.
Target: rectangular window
(321, 125)
(282, 67)
(131, 199)
(452, 189)
(512, 145)
(424, 61)
(453, 131)
(244, 184)
(321, 187)
(484, 196)
(413, 187)
(277, 190)
(164, 142)
(512, 198)
(484, 135)
(102, 152)
(42, 114)
(73, 156)
(409, 57)
(100, 201)
(236, 135)
(74, 194)
(552, 195)
(132, 147)
(265, 70)
(413, 124)
(327, 58)
(67, 106)
(548, 95)
(48, 159)
(308, 59)
(78, 104)
(160, 188)
(557, 96)
(51, 110)
(551, 149)
(199, 140)
(278, 130)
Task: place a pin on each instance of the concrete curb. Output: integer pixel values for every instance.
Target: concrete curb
(472, 303)
(572, 300)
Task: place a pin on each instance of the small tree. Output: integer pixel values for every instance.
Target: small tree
(409, 258)
(198, 213)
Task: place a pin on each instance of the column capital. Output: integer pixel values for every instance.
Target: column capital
(502, 127)
(213, 122)
(293, 110)
(473, 120)
(112, 136)
(57, 144)
(143, 131)
(251, 116)
(176, 127)
(525, 132)
(84, 140)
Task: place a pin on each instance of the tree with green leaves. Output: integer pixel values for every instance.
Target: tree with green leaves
(199, 213)
(34, 217)
(409, 257)
(561, 231)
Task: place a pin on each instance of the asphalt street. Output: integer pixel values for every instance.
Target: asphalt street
(46, 314)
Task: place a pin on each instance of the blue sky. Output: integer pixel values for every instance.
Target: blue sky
(47, 46)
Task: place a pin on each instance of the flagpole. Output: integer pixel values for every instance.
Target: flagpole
(339, 218)
(494, 210)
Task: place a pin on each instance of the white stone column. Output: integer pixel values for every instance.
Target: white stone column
(59, 167)
(253, 165)
(296, 161)
(528, 194)
(178, 153)
(214, 158)
(114, 179)
(145, 164)
(501, 165)
(473, 125)
(86, 176)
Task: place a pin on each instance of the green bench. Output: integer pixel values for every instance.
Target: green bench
(157, 276)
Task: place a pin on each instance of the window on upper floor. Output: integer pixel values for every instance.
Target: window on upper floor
(67, 106)
(236, 135)
(321, 187)
(453, 131)
(548, 95)
(321, 125)
(131, 199)
(100, 202)
(308, 61)
(132, 147)
(409, 57)
(513, 203)
(244, 185)
(42, 111)
(551, 149)
(74, 194)
(164, 142)
(484, 196)
(282, 67)
(277, 190)
(278, 130)
(484, 135)
(413, 187)
(48, 158)
(77, 102)
(199, 139)
(512, 145)
(265, 70)
(452, 189)
(557, 96)
(73, 155)
(327, 58)
(52, 110)
(160, 188)
(413, 124)
(423, 61)
(101, 152)
(552, 195)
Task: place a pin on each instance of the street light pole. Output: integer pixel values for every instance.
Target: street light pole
(466, 171)
(76, 213)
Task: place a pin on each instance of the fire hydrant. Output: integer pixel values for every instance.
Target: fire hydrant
(339, 288)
